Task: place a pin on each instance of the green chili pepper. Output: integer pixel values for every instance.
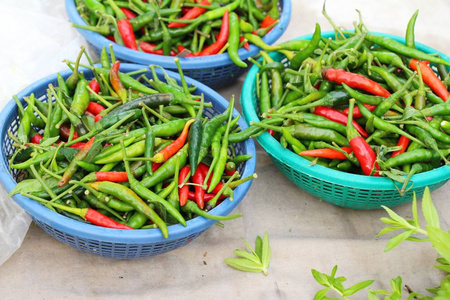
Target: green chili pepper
(95, 202)
(72, 81)
(220, 165)
(414, 156)
(384, 125)
(298, 59)
(296, 145)
(409, 38)
(128, 82)
(384, 106)
(314, 120)
(137, 220)
(264, 99)
(233, 40)
(128, 196)
(80, 98)
(276, 91)
(308, 132)
(209, 130)
(88, 166)
(402, 49)
(195, 140)
(24, 129)
(142, 191)
(104, 59)
(167, 169)
(161, 130)
(142, 20)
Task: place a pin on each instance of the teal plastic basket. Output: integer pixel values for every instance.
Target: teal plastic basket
(336, 187)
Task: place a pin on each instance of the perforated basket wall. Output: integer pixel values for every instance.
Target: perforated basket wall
(214, 71)
(121, 244)
(336, 187)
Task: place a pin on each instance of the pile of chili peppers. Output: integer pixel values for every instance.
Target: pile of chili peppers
(360, 103)
(182, 27)
(126, 153)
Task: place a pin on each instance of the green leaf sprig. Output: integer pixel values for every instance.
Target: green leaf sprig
(331, 282)
(412, 230)
(252, 260)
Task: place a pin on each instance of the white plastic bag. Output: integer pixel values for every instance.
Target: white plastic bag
(14, 223)
(36, 37)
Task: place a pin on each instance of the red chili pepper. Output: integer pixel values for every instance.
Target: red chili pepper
(327, 153)
(95, 108)
(221, 39)
(356, 81)
(78, 145)
(267, 22)
(64, 132)
(430, 78)
(190, 15)
(93, 84)
(181, 48)
(115, 81)
(99, 219)
(206, 198)
(403, 141)
(184, 10)
(98, 118)
(356, 113)
(111, 38)
(362, 150)
(36, 139)
(155, 166)
(92, 216)
(271, 132)
(230, 168)
(246, 44)
(337, 116)
(127, 33)
(168, 151)
(128, 13)
(111, 176)
(149, 48)
(199, 178)
(183, 191)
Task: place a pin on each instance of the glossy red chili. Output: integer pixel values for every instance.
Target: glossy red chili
(190, 15)
(184, 190)
(93, 84)
(403, 142)
(354, 80)
(221, 39)
(95, 108)
(337, 116)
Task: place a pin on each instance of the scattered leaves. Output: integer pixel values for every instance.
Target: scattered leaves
(250, 260)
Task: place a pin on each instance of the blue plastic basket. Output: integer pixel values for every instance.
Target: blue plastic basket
(121, 244)
(336, 187)
(214, 71)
